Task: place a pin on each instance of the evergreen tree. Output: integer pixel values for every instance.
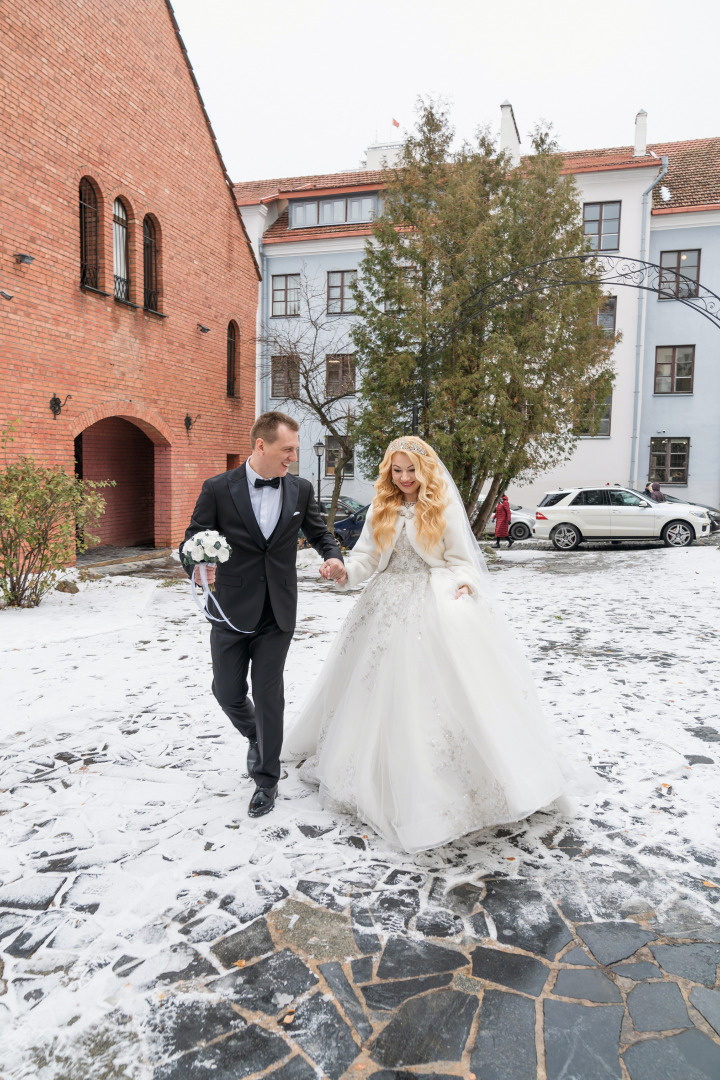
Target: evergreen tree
(500, 390)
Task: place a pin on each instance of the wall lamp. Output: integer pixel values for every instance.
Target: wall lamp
(203, 329)
(190, 421)
(57, 406)
(6, 295)
(25, 259)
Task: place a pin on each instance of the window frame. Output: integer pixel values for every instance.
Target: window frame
(663, 293)
(151, 278)
(346, 384)
(673, 372)
(349, 470)
(604, 305)
(607, 403)
(667, 468)
(345, 296)
(346, 219)
(90, 225)
(121, 252)
(599, 250)
(284, 290)
(231, 366)
(280, 365)
(578, 500)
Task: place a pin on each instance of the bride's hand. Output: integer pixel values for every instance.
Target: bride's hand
(462, 591)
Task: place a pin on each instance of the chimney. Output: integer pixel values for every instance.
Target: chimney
(641, 134)
(509, 134)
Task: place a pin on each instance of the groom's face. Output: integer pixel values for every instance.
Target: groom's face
(277, 457)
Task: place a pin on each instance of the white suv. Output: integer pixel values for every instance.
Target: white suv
(569, 517)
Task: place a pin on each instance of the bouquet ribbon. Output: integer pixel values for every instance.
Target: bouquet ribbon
(207, 596)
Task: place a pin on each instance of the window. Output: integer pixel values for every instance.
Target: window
(679, 274)
(601, 221)
(669, 460)
(552, 498)
(339, 375)
(286, 295)
(596, 422)
(89, 236)
(339, 288)
(674, 369)
(332, 454)
(121, 251)
(625, 498)
(150, 265)
(607, 314)
(594, 497)
(336, 211)
(232, 336)
(284, 376)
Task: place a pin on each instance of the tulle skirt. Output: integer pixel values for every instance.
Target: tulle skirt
(424, 722)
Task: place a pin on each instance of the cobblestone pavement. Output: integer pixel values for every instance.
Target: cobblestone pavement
(300, 946)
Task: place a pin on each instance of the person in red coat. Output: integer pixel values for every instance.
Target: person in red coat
(502, 521)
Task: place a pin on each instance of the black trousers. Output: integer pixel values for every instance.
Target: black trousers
(263, 654)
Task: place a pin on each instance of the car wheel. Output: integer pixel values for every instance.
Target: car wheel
(340, 539)
(678, 534)
(519, 531)
(565, 537)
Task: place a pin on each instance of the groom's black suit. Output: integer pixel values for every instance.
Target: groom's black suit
(257, 590)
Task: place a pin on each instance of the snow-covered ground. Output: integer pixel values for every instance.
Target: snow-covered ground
(123, 795)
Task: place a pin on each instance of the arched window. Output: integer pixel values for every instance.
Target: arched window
(232, 336)
(121, 251)
(89, 254)
(150, 265)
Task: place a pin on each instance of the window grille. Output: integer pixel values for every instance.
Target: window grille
(674, 369)
(150, 265)
(679, 275)
(284, 376)
(121, 251)
(231, 357)
(340, 300)
(669, 460)
(601, 222)
(286, 295)
(332, 456)
(89, 237)
(339, 375)
(607, 314)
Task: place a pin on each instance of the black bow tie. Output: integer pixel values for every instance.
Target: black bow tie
(275, 482)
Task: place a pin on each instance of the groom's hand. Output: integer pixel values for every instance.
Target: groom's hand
(210, 574)
(333, 570)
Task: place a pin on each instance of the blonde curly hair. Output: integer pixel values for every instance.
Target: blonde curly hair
(432, 494)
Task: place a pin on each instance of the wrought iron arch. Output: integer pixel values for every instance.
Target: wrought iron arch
(611, 270)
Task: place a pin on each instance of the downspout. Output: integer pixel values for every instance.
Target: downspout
(260, 382)
(640, 335)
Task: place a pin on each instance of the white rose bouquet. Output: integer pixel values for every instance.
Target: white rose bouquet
(207, 546)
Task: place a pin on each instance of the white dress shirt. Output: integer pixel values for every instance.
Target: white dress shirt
(266, 501)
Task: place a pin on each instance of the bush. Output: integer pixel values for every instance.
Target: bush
(44, 517)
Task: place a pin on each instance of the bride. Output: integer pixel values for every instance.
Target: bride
(424, 722)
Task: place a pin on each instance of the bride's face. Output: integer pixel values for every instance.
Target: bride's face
(403, 475)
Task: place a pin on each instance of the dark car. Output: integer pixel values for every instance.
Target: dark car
(348, 529)
(345, 506)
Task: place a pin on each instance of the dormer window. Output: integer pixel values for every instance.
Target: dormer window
(339, 210)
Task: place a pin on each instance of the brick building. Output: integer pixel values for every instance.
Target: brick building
(133, 285)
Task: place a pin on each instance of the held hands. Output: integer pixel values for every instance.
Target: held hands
(462, 591)
(210, 574)
(333, 570)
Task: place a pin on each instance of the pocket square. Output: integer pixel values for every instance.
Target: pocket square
(296, 514)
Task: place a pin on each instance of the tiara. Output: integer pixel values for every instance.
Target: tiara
(407, 444)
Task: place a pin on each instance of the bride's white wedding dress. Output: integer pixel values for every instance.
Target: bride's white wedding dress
(424, 722)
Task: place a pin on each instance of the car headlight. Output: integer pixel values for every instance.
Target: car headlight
(699, 514)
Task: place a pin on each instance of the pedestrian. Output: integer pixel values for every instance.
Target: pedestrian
(502, 522)
(655, 492)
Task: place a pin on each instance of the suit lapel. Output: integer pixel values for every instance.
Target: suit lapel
(238, 486)
(290, 492)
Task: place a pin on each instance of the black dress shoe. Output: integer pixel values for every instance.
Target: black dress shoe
(253, 755)
(262, 801)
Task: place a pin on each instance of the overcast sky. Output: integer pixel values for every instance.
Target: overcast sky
(304, 86)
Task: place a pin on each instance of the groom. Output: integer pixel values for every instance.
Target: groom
(260, 508)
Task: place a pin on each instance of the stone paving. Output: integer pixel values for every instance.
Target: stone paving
(598, 958)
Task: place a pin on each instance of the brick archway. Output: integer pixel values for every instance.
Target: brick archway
(130, 443)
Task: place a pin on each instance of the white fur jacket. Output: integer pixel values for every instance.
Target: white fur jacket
(451, 553)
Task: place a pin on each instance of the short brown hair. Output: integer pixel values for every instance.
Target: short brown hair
(266, 426)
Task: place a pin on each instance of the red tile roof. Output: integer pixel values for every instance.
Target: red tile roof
(254, 191)
(693, 176)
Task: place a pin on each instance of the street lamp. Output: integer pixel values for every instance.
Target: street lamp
(319, 449)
